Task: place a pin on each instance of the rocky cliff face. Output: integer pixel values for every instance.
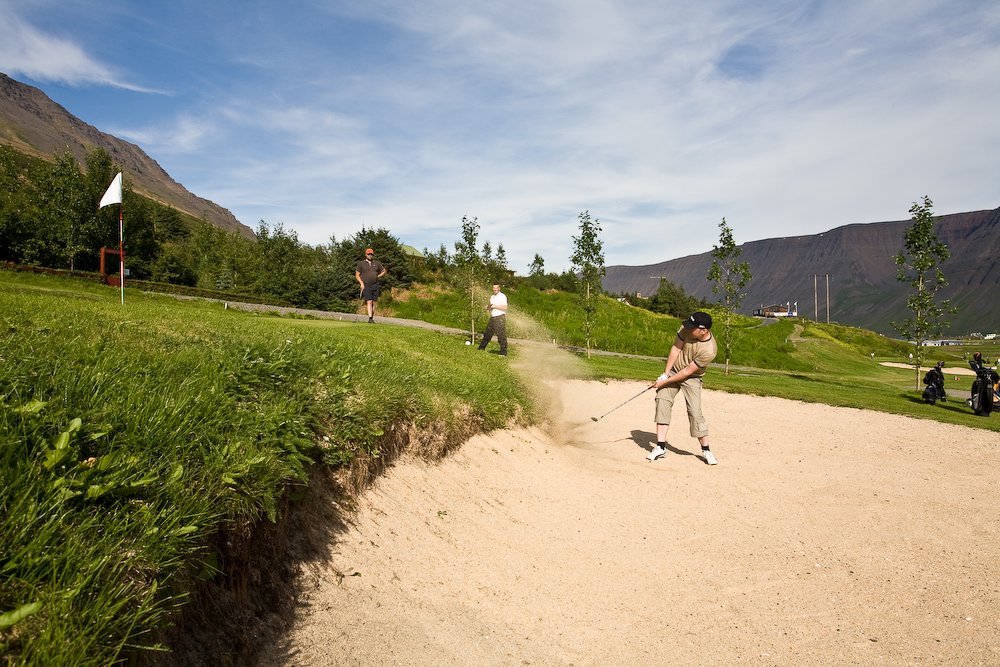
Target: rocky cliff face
(32, 123)
(858, 259)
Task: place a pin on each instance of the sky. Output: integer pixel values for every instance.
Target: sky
(658, 117)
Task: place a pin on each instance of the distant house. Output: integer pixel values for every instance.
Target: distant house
(413, 256)
(787, 309)
(412, 252)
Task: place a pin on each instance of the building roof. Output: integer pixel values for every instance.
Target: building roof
(411, 251)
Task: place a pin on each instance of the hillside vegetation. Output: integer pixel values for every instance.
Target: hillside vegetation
(34, 125)
(556, 315)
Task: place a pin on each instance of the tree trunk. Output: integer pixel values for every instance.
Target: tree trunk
(472, 311)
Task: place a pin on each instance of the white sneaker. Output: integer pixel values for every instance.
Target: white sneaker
(709, 457)
(656, 453)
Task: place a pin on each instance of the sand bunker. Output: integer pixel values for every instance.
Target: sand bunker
(824, 536)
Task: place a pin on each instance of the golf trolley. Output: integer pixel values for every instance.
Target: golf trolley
(934, 379)
(985, 396)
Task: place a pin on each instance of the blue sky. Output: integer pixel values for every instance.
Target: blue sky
(659, 117)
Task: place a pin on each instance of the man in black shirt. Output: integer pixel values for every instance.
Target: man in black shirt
(368, 272)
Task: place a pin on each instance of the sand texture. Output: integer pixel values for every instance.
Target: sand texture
(824, 536)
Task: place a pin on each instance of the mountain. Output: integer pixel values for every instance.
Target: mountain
(857, 260)
(32, 123)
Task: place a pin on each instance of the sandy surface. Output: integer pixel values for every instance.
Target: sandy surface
(824, 536)
(947, 370)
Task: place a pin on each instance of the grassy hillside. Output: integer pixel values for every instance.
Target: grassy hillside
(132, 436)
(548, 316)
(796, 358)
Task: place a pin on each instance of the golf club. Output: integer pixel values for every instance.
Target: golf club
(597, 419)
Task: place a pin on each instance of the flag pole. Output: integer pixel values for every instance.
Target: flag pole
(113, 195)
(121, 248)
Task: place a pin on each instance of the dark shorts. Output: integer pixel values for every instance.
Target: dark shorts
(370, 292)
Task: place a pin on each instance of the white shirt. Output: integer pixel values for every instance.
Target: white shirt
(498, 299)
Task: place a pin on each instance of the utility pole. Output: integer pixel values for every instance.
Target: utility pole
(828, 298)
(815, 300)
(815, 278)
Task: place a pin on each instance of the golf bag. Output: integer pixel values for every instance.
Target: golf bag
(985, 390)
(934, 379)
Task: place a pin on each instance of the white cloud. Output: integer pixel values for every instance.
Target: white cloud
(28, 51)
(184, 135)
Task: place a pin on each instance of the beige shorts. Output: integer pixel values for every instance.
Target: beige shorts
(691, 389)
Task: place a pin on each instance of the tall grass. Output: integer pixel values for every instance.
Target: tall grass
(130, 435)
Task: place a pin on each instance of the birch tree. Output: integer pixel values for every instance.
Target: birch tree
(729, 276)
(919, 265)
(588, 261)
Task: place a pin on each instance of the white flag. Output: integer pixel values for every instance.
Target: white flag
(114, 193)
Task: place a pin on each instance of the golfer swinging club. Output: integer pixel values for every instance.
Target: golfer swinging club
(692, 352)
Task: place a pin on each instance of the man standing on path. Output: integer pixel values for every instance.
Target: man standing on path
(498, 320)
(693, 350)
(367, 273)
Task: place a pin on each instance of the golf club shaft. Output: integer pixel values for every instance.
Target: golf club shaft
(623, 403)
